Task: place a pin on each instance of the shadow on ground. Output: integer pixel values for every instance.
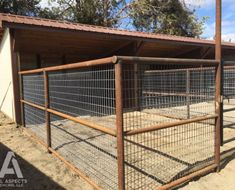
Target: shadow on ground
(32, 177)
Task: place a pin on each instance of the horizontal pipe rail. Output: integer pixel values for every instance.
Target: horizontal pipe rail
(228, 110)
(172, 61)
(188, 177)
(91, 63)
(226, 67)
(75, 119)
(231, 63)
(174, 94)
(180, 70)
(33, 105)
(126, 59)
(169, 125)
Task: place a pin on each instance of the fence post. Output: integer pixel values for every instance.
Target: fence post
(21, 87)
(218, 72)
(222, 106)
(188, 92)
(47, 114)
(119, 125)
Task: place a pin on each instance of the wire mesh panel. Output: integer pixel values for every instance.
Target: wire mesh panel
(93, 152)
(229, 82)
(156, 158)
(35, 121)
(160, 95)
(229, 102)
(167, 95)
(33, 88)
(85, 93)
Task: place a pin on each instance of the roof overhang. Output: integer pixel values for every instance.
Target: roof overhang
(38, 25)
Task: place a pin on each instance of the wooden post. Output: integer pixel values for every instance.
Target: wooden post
(47, 114)
(218, 97)
(119, 125)
(188, 93)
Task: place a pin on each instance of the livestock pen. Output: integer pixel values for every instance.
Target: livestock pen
(127, 122)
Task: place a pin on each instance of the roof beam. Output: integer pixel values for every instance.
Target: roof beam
(117, 49)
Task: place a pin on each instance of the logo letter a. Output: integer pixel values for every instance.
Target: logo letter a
(5, 170)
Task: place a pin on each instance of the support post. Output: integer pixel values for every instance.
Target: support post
(188, 93)
(222, 106)
(119, 125)
(47, 114)
(21, 87)
(15, 79)
(136, 87)
(218, 97)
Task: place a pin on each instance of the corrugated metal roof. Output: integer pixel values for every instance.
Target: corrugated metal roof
(9, 18)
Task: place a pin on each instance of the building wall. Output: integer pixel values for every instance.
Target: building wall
(6, 83)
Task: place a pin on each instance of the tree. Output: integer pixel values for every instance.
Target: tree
(165, 17)
(20, 7)
(157, 16)
(97, 12)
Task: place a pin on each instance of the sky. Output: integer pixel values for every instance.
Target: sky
(207, 8)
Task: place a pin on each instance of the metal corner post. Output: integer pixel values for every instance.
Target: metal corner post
(47, 114)
(119, 125)
(218, 73)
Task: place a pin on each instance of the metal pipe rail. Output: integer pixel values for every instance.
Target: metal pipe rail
(169, 61)
(96, 62)
(229, 63)
(169, 125)
(75, 119)
(125, 59)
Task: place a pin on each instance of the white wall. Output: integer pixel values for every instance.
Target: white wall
(6, 83)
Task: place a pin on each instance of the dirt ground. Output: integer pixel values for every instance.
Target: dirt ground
(42, 170)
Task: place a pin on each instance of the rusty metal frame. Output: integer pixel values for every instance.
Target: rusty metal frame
(119, 133)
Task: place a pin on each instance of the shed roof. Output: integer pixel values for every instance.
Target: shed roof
(16, 20)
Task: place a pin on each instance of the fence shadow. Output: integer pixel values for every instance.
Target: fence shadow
(35, 179)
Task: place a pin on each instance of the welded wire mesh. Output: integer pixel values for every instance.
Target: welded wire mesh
(159, 94)
(92, 151)
(35, 121)
(156, 158)
(152, 95)
(229, 102)
(33, 88)
(163, 94)
(229, 82)
(86, 93)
